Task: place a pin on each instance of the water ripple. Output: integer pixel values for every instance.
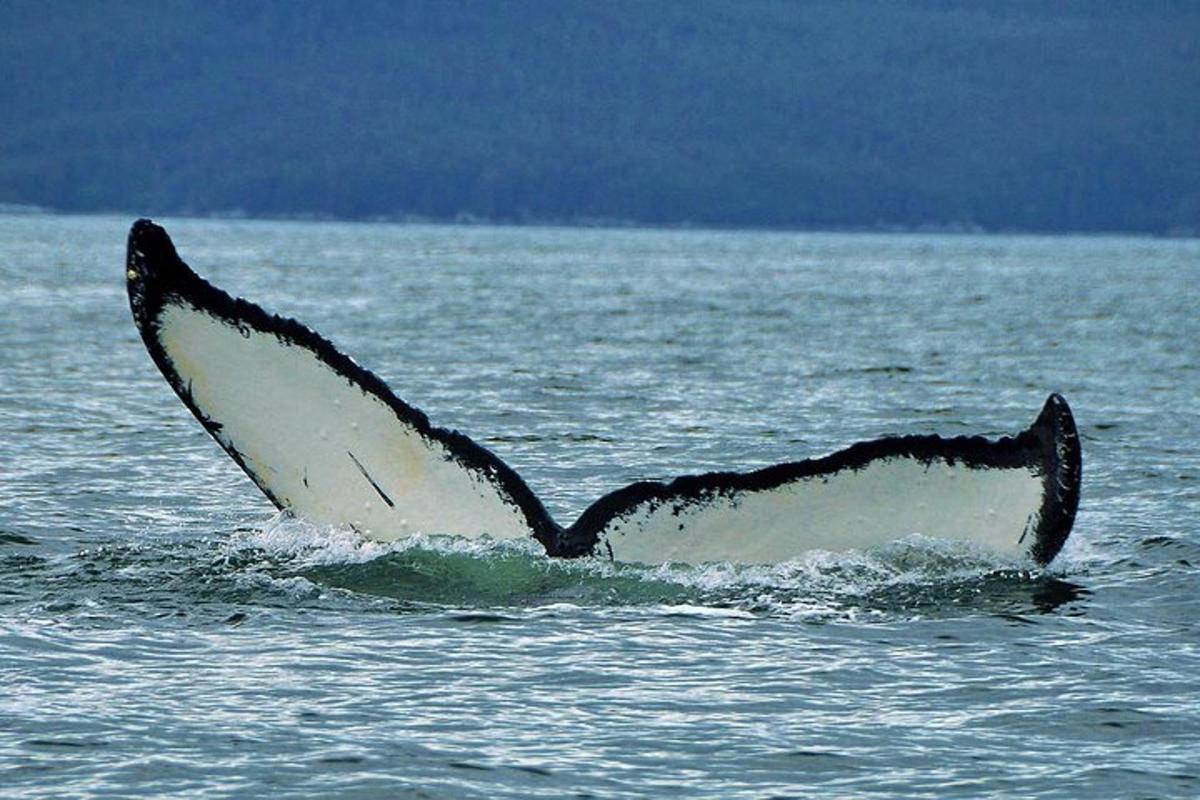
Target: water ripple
(161, 635)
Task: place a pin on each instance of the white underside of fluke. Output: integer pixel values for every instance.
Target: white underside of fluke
(883, 501)
(333, 453)
(319, 444)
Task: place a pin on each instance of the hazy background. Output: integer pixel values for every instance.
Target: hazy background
(1038, 116)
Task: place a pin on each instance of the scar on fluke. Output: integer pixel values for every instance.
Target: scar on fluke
(312, 419)
(370, 480)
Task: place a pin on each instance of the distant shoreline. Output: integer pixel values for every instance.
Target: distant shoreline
(588, 223)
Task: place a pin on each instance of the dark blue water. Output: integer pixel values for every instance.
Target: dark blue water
(162, 634)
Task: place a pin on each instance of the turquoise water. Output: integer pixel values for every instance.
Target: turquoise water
(162, 634)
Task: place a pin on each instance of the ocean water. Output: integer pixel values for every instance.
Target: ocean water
(164, 634)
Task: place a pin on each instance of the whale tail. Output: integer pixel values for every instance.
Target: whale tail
(318, 434)
(327, 440)
(1015, 495)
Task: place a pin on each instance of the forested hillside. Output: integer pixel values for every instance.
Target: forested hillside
(852, 113)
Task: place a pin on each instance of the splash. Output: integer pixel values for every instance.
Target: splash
(915, 576)
(293, 566)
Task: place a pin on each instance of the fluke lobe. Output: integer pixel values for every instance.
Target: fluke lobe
(327, 440)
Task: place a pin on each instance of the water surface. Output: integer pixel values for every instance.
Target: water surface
(163, 634)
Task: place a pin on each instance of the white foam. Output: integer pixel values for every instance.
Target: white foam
(312, 544)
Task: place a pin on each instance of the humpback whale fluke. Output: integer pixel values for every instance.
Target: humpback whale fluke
(327, 440)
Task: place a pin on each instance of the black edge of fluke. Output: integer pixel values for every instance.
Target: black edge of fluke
(1063, 459)
(156, 275)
